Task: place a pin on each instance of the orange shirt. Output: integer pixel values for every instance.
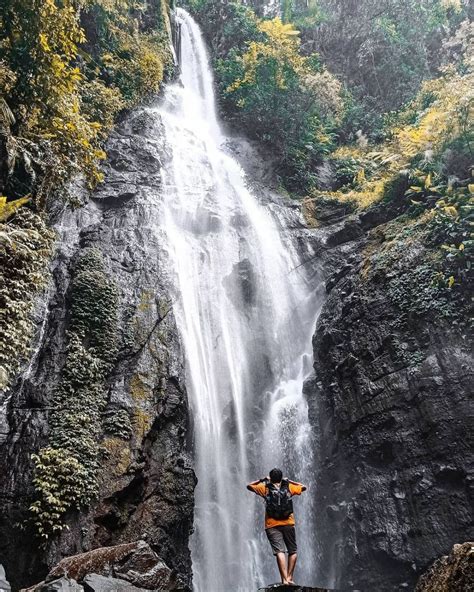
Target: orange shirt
(261, 489)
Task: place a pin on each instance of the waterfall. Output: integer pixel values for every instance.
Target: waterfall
(246, 314)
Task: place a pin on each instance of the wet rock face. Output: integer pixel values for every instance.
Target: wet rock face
(451, 573)
(146, 481)
(389, 403)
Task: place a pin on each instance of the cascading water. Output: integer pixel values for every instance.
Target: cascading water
(246, 321)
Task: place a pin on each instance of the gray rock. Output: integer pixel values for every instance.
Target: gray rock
(451, 573)
(4, 585)
(61, 585)
(97, 583)
(294, 588)
(144, 568)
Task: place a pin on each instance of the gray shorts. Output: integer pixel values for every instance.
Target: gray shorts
(281, 537)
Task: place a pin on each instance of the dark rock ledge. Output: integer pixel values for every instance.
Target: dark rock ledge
(389, 404)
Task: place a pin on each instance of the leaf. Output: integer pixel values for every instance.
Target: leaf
(43, 39)
(450, 281)
(428, 181)
(451, 211)
(360, 177)
(9, 208)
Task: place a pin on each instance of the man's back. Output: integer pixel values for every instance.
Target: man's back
(261, 489)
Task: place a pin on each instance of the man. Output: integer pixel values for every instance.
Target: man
(279, 519)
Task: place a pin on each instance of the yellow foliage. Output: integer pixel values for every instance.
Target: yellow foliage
(281, 44)
(372, 192)
(442, 120)
(9, 208)
(450, 115)
(279, 32)
(454, 4)
(62, 110)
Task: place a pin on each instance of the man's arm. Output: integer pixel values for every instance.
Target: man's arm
(250, 486)
(303, 487)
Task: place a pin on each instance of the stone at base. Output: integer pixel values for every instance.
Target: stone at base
(97, 583)
(451, 573)
(4, 585)
(61, 585)
(295, 588)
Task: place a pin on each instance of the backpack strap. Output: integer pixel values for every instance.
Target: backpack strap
(285, 485)
(269, 485)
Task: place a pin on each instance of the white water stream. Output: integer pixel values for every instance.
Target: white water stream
(246, 318)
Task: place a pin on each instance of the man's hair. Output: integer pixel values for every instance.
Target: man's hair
(276, 475)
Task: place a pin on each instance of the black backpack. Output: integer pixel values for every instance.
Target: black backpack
(279, 504)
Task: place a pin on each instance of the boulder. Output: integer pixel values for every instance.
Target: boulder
(4, 585)
(451, 573)
(97, 583)
(144, 568)
(60, 585)
(100, 561)
(128, 567)
(294, 588)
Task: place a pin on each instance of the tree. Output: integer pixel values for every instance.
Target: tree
(381, 49)
(286, 100)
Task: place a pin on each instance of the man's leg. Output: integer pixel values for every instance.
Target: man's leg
(291, 566)
(275, 536)
(281, 561)
(289, 535)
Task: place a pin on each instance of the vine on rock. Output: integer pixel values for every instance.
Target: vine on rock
(26, 246)
(66, 471)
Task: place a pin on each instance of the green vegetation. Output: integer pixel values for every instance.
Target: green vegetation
(66, 471)
(328, 74)
(381, 50)
(67, 69)
(269, 89)
(117, 423)
(286, 100)
(430, 146)
(25, 249)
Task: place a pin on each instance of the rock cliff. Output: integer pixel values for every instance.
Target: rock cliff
(389, 402)
(110, 252)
